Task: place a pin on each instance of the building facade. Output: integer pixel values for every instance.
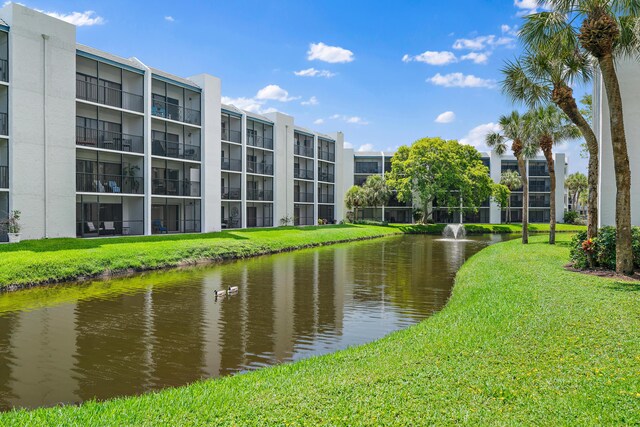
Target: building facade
(627, 71)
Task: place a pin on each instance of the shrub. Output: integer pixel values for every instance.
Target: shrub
(371, 222)
(571, 217)
(602, 248)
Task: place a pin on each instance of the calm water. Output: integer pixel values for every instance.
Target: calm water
(102, 339)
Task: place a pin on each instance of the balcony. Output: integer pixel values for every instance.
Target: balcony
(261, 195)
(4, 70)
(231, 193)
(327, 155)
(325, 176)
(4, 176)
(367, 169)
(260, 142)
(109, 140)
(260, 168)
(301, 150)
(92, 92)
(229, 164)
(303, 220)
(175, 150)
(325, 198)
(232, 135)
(175, 187)
(111, 184)
(175, 112)
(303, 197)
(303, 174)
(4, 124)
(538, 170)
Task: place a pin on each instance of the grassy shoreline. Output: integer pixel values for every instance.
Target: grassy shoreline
(41, 262)
(522, 341)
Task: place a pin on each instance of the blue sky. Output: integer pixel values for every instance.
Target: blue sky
(381, 72)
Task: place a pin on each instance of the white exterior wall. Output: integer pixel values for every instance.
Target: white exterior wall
(283, 166)
(495, 214)
(341, 177)
(561, 199)
(41, 121)
(628, 72)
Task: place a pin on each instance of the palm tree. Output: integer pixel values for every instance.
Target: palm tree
(576, 183)
(511, 180)
(354, 199)
(607, 29)
(514, 130)
(376, 192)
(543, 75)
(549, 126)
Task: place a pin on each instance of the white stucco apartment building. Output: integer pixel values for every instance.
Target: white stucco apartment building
(92, 144)
(628, 71)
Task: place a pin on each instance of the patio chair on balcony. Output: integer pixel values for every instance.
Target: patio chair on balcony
(114, 187)
(99, 187)
(109, 227)
(159, 228)
(91, 228)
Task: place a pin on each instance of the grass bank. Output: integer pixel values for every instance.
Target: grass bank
(522, 342)
(54, 260)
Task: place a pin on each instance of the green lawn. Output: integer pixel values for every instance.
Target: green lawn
(54, 260)
(522, 342)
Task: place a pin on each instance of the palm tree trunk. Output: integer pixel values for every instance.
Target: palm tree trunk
(552, 198)
(563, 98)
(624, 254)
(525, 199)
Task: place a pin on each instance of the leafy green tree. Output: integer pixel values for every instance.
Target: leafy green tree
(376, 192)
(502, 196)
(511, 180)
(355, 198)
(606, 30)
(515, 131)
(434, 170)
(550, 126)
(576, 184)
(545, 73)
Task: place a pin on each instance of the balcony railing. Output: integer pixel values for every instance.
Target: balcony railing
(303, 173)
(175, 112)
(4, 70)
(175, 187)
(4, 176)
(539, 187)
(232, 135)
(260, 221)
(232, 222)
(262, 195)
(301, 150)
(303, 197)
(326, 177)
(303, 220)
(4, 124)
(231, 193)
(538, 171)
(229, 164)
(175, 150)
(114, 184)
(367, 169)
(160, 226)
(109, 140)
(260, 167)
(260, 141)
(325, 198)
(108, 96)
(327, 155)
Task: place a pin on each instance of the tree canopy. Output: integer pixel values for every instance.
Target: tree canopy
(435, 170)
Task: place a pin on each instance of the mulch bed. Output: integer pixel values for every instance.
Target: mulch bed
(601, 272)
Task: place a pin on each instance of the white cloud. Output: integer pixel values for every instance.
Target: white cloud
(527, 7)
(460, 80)
(312, 101)
(366, 147)
(355, 120)
(432, 58)
(81, 19)
(507, 29)
(483, 43)
(274, 92)
(249, 104)
(318, 122)
(312, 72)
(477, 136)
(169, 18)
(476, 58)
(446, 117)
(331, 54)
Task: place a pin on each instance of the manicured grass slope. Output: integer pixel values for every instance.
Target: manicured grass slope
(522, 342)
(41, 261)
